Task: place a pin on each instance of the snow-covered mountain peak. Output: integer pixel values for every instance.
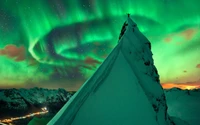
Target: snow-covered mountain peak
(127, 73)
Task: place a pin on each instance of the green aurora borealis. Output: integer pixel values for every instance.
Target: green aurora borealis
(60, 43)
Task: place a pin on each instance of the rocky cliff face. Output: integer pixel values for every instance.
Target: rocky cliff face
(136, 48)
(15, 102)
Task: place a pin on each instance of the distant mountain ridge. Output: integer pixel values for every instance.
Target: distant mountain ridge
(22, 101)
(19, 101)
(184, 104)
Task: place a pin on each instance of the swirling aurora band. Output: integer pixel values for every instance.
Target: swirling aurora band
(60, 43)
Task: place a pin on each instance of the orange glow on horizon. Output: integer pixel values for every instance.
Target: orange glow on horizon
(181, 86)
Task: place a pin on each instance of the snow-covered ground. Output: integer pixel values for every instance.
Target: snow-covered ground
(184, 104)
(180, 104)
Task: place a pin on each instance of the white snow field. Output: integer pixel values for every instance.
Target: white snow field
(184, 104)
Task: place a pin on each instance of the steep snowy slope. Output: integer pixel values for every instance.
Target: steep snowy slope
(104, 105)
(128, 74)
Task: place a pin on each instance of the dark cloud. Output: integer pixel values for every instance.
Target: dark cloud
(91, 61)
(13, 52)
(198, 66)
(168, 38)
(186, 33)
(189, 33)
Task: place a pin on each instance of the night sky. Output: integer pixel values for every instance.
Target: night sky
(60, 43)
